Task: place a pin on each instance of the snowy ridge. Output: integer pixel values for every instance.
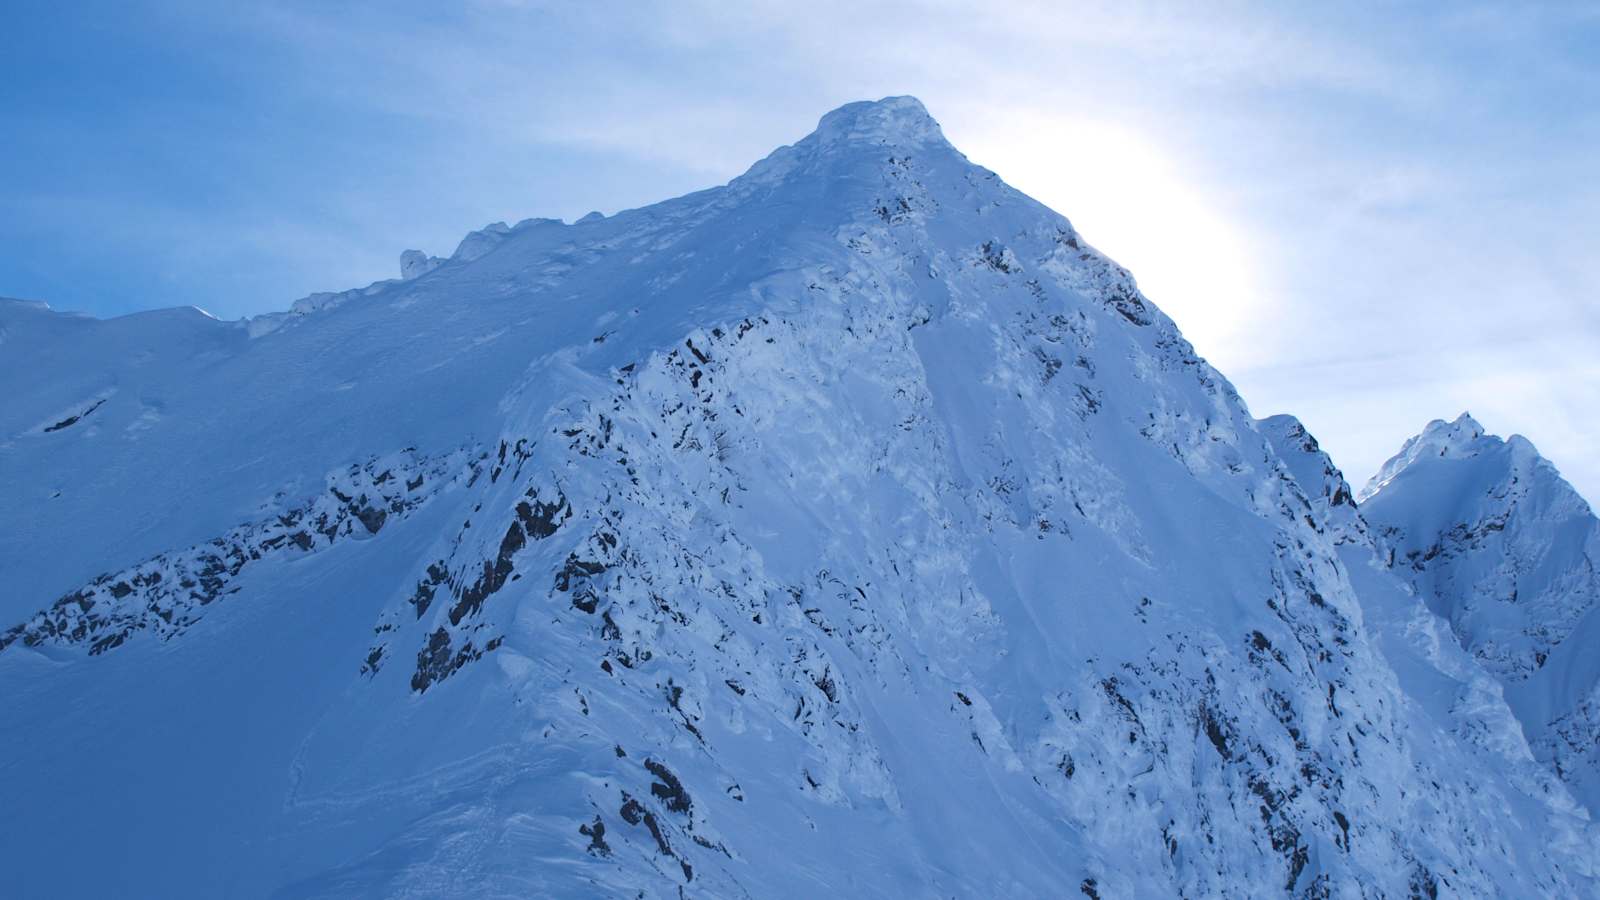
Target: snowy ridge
(166, 595)
(1329, 497)
(855, 528)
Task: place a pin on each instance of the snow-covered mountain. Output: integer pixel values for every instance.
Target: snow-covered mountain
(1503, 548)
(852, 529)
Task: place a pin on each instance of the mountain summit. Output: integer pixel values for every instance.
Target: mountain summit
(1506, 551)
(901, 121)
(1440, 439)
(853, 529)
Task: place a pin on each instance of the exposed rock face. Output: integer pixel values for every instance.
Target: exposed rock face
(854, 528)
(167, 594)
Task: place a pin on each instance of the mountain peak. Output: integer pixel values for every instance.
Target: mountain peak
(1466, 424)
(1455, 434)
(732, 529)
(1439, 438)
(1500, 545)
(895, 120)
(856, 133)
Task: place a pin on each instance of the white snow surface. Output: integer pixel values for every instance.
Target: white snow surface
(854, 529)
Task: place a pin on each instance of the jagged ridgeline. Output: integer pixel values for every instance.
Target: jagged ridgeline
(853, 529)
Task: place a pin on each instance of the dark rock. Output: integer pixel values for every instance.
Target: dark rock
(596, 833)
(669, 789)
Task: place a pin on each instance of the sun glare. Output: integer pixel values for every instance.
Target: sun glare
(1134, 203)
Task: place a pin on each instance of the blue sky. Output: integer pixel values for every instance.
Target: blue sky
(1368, 215)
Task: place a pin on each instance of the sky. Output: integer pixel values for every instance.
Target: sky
(1369, 215)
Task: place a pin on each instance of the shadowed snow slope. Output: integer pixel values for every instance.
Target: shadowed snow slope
(854, 529)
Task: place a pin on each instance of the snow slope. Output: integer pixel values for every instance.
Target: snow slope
(1503, 548)
(851, 529)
